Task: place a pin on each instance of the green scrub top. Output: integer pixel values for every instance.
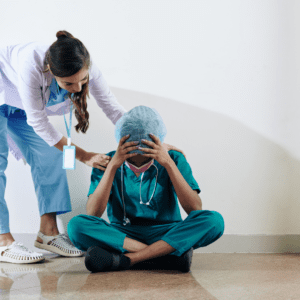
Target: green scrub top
(163, 207)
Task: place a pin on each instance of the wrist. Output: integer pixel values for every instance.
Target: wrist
(169, 164)
(83, 156)
(112, 164)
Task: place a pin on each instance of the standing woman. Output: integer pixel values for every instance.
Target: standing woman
(37, 81)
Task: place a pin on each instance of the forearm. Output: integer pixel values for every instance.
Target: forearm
(98, 200)
(80, 153)
(187, 197)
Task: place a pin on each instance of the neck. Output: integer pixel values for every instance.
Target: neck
(139, 160)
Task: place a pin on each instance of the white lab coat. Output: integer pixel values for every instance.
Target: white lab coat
(24, 85)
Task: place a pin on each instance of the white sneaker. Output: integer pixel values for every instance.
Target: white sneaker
(17, 253)
(59, 244)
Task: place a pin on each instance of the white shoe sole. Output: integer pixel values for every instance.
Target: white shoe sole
(19, 261)
(55, 250)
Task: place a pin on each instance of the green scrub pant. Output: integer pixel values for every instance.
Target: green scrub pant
(199, 229)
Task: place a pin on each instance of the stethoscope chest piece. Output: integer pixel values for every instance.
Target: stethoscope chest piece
(126, 221)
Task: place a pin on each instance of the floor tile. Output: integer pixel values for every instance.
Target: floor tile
(213, 276)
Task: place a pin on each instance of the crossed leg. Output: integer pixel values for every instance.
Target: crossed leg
(139, 252)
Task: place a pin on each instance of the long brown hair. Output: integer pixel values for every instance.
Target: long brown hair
(65, 57)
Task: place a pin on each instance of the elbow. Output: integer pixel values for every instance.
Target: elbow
(92, 211)
(196, 204)
(193, 208)
(95, 206)
(89, 212)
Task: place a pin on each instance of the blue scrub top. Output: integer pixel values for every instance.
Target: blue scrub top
(163, 207)
(57, 95)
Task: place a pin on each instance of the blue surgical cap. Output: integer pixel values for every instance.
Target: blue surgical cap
(139, 122)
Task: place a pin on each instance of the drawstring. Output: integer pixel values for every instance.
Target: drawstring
(125, 219)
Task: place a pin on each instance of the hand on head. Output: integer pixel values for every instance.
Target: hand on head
(158, 151)
(122, 151)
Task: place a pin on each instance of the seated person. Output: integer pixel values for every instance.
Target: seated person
(140, 187)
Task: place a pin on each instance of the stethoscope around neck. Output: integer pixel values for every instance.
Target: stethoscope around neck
(126, 221)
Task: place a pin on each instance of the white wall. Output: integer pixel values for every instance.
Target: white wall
(229, 69)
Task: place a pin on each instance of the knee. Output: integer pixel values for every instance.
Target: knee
(75, 228)
(211, 220)
(217, 223)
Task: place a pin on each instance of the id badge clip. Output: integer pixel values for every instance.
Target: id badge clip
(69, 151)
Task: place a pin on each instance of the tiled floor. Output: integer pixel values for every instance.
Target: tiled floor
(213, 276)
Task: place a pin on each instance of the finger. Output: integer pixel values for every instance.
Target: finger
(128, 144)
(149, 143)
(131, 155)
(155, 138)
(104, 164)
(123, 139)
(100, 167)
(148, 155)
(178, 150)
(126, 150)
(106, 159)
(148, 150)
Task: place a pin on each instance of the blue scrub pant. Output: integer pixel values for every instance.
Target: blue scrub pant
(50, 179)
(199, 229)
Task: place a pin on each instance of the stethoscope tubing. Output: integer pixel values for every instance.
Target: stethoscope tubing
(125, 219)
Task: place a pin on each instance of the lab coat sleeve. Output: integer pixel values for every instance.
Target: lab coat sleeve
(103, 95)
(30, 88)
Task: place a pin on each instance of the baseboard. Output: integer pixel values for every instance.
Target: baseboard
(228, 243)
(258, 243)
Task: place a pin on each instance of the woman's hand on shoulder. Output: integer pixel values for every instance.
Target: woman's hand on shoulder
(97, 160)
(170, 147)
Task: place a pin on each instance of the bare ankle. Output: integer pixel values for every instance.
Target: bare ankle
(132, 257)
(6, 239)
(132, 245)
(49, 231)
(48, 224)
